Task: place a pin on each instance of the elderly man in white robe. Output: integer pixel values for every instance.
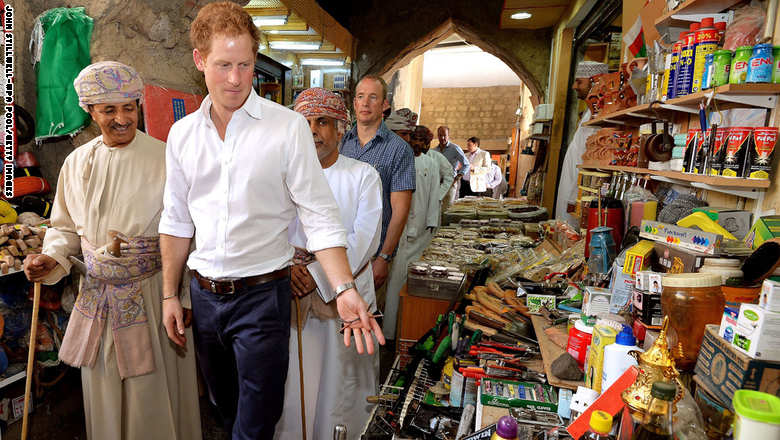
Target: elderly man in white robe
(423, 218)
(337, 380)
(135, 383)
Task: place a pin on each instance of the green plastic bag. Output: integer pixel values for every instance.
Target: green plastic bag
(60, 46)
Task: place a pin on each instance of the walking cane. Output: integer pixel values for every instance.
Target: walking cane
(300, 364)
(31, 355)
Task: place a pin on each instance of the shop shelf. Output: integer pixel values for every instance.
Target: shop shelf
(692, 7)
(713, 181)
(637, 114)
(729, 95)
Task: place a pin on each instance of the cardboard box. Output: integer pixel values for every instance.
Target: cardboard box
(757, 333)
(736, 221)
(595, 301)
(677, 260)
(647, 308)
(724, 369)
(638, 257)
(770, 296)
(594, 363)
(688, 238)
(728, 323)
(764, 229)
(621, 287)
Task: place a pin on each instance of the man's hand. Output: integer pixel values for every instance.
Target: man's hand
(379, 266)
(350, 306)
(301, 281)
(37, 266)
(173, 320)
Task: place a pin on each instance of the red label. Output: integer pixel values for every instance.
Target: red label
(720, 136)
(738, 136)
(740, 65)
(706, 35)
(766, 138)
(757, 62)
(692, 134)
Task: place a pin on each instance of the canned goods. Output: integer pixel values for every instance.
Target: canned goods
(665, 81)
(671, 90)
(776, 64)
(760, 67)
(705, 42)
(709, 61)
(718, 152)
(721, 66)
(739, 65)
(685, 66)
(758, 164)
(736, 146)
(691, 143)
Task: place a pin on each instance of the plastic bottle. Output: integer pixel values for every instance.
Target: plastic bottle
(506, 429)
(616, 357)
(657, 421)
(600, 425)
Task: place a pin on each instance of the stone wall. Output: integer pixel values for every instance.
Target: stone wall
(485, 112)
(152, 36)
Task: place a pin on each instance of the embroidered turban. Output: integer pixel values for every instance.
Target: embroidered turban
(423, 133)
(316, 101)
(403, 119)
(586, 69)
(106, 82)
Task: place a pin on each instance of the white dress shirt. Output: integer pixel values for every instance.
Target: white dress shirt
(358, 193)
(238, 196)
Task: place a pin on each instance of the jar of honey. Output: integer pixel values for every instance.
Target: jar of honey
(691, 301)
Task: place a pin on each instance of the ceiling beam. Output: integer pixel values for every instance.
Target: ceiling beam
(323, 23)
(261, 12)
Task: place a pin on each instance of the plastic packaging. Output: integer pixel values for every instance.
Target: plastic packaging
(616, 357)
(746, 28)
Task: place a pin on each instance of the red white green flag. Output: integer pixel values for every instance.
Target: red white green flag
(635, 39)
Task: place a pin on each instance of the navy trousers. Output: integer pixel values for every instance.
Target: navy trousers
(242, 345)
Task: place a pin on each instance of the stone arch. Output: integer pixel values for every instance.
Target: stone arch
(449, 27)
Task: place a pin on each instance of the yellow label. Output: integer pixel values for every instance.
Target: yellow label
(714, 173)
(759, 175)
(728, 173)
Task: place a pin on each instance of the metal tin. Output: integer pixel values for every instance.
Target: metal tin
(776, 64)
(705, 42)
(671, 89)
(760, 67)
(739, 65)
(738, 142)
(721, 66)
(706, 78)
(685, 66)
(758, 164)
(718, 152)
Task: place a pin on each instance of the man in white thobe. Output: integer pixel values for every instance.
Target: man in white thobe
(423, 217)
(332, 371)
(567, 185)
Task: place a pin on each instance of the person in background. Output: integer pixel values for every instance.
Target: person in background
(330, 369)
(238, 171)
(136, 385)
(402, 122)
(372, 142)
(496, 182)
(454, 154)
(446, 177)
(479, 164)
(567, 184)
(423, 218)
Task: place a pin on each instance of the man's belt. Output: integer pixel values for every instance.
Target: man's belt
(239, 285)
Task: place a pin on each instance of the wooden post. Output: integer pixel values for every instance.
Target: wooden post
(560, 80)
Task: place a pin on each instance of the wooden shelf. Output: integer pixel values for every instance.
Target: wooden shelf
(550, 353)
(727, 182)
(693, 7)
(631, 116)
(540, 137)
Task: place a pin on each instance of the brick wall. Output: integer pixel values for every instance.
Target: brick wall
(485, 112)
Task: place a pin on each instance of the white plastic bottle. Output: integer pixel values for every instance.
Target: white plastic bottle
(616, 357)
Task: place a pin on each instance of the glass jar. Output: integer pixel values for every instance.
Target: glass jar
(691, 301)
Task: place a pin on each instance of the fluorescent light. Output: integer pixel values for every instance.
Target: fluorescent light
(321, 62)
(273, 31)
(270, 20)
(295, 45)
(520, 15)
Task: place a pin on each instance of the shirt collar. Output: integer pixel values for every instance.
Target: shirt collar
(252, 106)
(382, 132)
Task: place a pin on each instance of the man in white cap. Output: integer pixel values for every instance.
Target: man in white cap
(136, 384)
(567, 184)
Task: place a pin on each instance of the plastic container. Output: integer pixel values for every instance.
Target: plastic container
(725, 267)
(760, 66)
(735, 296)
(506, 429)
(579, 340)
(691, 301)
(758, 415)
(616, 357)
(600, 425)
(739, 65)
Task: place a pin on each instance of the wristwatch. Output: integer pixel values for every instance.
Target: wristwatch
(344, 287)
(385, 257)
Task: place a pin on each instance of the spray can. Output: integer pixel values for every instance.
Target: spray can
(721, 28)
(685, 63)
(776, 64)
(705, 42)
(721, 66)
(671, 90)
(739, 65)
(761, 66)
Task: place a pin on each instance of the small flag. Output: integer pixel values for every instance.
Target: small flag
(635, 39)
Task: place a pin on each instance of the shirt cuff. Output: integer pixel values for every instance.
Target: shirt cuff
(176, 229)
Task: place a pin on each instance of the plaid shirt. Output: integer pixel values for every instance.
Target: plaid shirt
(392, 157)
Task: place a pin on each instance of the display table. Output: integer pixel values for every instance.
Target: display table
(550, 352)
(416, 315)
